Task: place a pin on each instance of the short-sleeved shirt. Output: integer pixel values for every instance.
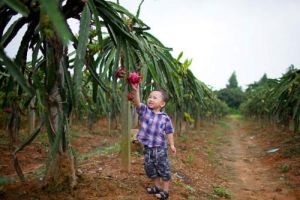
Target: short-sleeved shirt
(153, 127)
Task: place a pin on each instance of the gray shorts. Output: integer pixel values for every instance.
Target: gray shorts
(156, 163)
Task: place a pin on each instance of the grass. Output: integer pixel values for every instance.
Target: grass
(222, 192)
(216, 138)
(292, 151)
(236, 116)
(4, 141)
(39, 172)
(211, 154)
(185, 186)
(284, 168)
(74, 134)
(223, 124)
(190, 159)
(115, 148)
(233, 111)
(192, 198)
(43, 138)
(5, 180)
(183, 137)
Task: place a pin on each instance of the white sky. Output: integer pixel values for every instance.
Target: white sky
(251, 37)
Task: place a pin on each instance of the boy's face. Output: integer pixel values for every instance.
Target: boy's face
(155, 101)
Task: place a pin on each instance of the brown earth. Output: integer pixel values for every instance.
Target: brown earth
(259, 164)
(228, 158)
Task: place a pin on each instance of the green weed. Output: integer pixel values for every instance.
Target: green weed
(115, 148)
(43, 138)
(211, 154)
(292, 151)
(222, 192)
(192, 198)
(5, 180)
(74, 134)
(188, 187)
(223, 124)
(236, 115)
(183, 138)
(284, 168)
(40, 172)
(4, 141)
(190, 159)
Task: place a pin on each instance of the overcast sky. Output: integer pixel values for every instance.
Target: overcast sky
(251, 37)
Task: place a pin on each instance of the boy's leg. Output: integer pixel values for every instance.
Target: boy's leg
(163, 168)
(157, 186)
(158, 183)
(150, 169)
(164, 193)
(166, 186)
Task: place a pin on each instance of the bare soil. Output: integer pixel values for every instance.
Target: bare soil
(226, 159)
(258, 163)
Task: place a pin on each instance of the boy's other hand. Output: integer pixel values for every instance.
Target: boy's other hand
(173, 149)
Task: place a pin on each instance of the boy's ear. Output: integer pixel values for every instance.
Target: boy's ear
(163, 104)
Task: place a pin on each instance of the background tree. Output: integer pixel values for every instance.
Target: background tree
(232, 94)
(232, 82)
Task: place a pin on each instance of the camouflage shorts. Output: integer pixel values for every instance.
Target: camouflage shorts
(156, 163)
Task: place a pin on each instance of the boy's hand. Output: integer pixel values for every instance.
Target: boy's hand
(173, 149)
(135, 86)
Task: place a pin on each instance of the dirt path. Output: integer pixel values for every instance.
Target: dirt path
(221, 159)
(250, 177)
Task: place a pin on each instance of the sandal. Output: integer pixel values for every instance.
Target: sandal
(153, 190)
(162, 195)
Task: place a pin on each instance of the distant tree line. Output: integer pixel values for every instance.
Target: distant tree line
(233, 94)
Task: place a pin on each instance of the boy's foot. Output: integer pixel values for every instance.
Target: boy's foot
(153, 190)
(162, 195)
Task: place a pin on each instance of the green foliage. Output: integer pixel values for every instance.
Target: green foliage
(275, 100)
(232, 96)
(57, 19)
(14, 71)
(81, 52)
(109, 36)
(18, 6)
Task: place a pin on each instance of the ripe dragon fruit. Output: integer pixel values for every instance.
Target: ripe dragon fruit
(120, 73)
(130, 96)
(134, 78)
(7, 110)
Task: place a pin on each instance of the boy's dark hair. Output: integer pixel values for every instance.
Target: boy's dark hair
(163, 93)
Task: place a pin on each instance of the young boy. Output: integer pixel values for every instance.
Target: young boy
(155, 126)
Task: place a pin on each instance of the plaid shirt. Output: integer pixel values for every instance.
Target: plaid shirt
(153, 127)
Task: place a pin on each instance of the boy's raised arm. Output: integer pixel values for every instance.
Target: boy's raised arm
(136, 95)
